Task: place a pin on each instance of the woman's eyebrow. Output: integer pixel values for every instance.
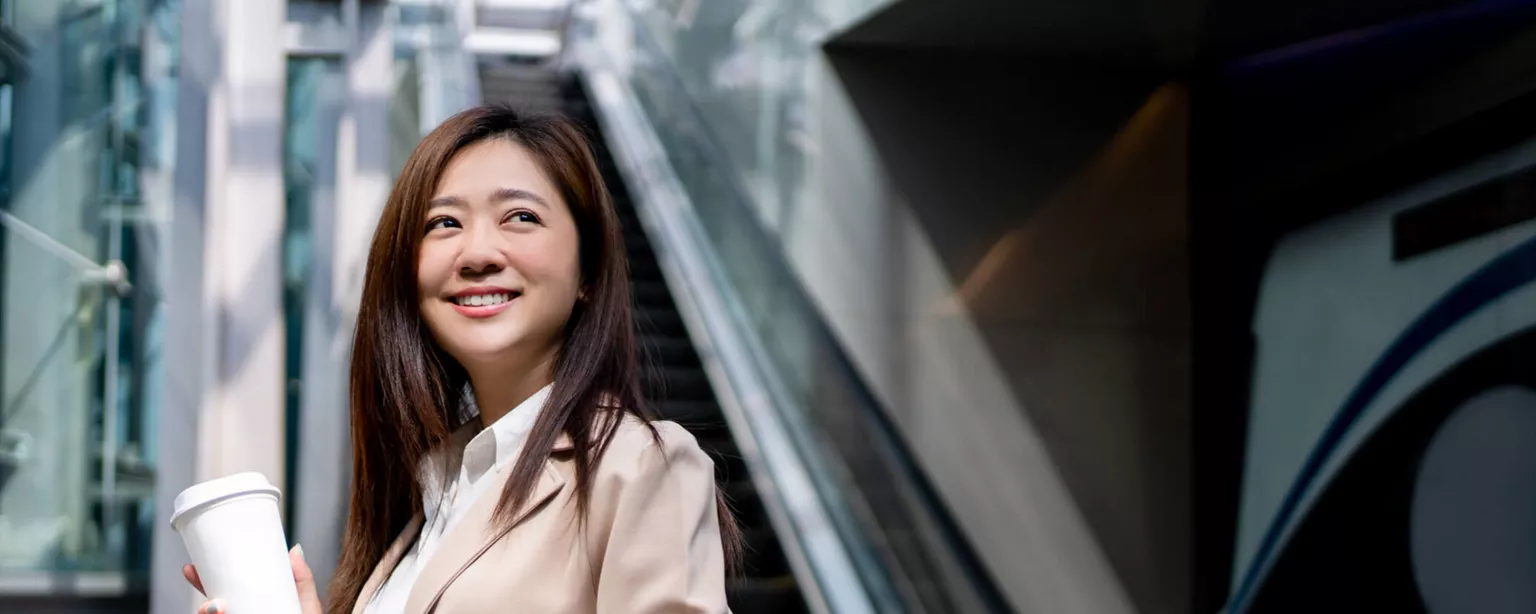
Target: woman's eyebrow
(446, 201)
(506, 194)
(501, 195)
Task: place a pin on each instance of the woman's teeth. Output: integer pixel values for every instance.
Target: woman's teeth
(482, 300)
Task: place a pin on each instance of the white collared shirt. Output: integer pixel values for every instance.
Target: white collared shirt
(494, 447)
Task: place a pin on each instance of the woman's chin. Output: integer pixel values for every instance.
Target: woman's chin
(489, 350)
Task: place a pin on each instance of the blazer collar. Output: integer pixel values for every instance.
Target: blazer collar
(464, 544)
(387, 564)
(473, 535)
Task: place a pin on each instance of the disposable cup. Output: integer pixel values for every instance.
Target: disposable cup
(233, 532)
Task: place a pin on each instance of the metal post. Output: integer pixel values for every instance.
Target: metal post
(109, 408)
(189, 343)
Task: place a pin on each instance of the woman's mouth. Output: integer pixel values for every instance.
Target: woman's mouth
(478, 304)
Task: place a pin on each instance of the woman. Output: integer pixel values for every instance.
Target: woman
(502, 460)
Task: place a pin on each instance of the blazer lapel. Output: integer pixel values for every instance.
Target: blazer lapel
(387, 564)
(473, 534)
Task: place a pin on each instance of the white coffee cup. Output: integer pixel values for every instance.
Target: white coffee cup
(233, 531)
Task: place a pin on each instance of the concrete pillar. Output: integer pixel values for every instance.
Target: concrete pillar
(223, 410)
(243, 425)
(342, 229)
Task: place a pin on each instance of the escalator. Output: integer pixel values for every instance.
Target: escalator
(676, 384)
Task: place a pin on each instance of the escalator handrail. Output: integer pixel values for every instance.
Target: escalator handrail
(759, 436)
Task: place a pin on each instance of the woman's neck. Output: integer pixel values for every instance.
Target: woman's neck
(498, 391)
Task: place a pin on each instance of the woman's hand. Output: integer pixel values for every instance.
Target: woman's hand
(309, 598)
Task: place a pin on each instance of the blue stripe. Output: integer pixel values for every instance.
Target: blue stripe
(1495, 279)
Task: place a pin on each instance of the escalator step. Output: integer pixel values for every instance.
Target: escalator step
(644, 267)
(764, 595)
(744, 501)
(651, 293)
(634, 245)
(680, 384)
(668, 351)
(764, 556)
(702, 414)
(635, 242)
(643, 253)
(660, 321)
(718, 441)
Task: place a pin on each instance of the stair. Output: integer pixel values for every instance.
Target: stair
(676, 385)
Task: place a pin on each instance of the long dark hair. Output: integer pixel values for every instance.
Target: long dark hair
(406, 390)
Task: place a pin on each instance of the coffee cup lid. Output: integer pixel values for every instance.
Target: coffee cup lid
(213, 491)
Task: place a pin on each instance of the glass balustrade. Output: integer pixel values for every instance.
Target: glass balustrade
(86, 126)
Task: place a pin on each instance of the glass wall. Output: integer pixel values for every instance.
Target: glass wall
(86, 112)
(743, 64)
(316, 94)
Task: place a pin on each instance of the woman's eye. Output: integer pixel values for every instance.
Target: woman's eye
(442, 221)
(524, 217)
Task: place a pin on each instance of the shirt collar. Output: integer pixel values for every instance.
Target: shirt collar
(476, 453)
(500, 442)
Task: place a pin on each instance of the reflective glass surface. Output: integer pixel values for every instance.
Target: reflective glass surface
(86, 117)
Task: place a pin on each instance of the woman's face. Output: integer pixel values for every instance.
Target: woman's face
(499, 269)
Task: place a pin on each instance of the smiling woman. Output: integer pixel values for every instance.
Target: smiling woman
(503, 457)
(498, 271)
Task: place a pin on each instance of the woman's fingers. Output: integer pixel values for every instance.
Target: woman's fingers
(309, 597)
(303, 579)
(190, 573)
(211, 607)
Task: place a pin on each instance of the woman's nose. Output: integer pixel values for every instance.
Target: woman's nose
(482, 252)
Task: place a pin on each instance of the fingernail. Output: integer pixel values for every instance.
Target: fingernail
(213, 608)
(299, 548)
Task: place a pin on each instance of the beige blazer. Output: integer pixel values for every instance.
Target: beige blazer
(651, 542)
